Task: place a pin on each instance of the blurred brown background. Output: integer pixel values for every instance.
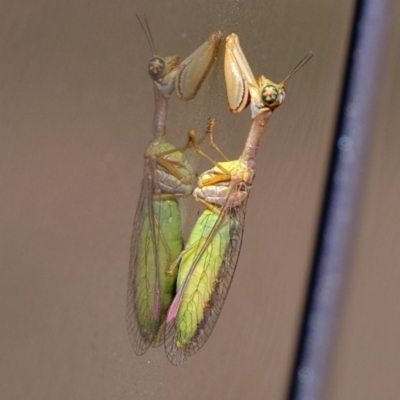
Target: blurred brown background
(75, 115)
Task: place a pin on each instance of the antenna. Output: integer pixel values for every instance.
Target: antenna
(147, 32)
(300, 65)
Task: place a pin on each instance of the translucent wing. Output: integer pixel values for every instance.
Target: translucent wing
(140, 313)
(156, 244)
(230, 226)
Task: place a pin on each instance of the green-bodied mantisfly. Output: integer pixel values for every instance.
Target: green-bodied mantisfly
(208, 262)
(157, 232)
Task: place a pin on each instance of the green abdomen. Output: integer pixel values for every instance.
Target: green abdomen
(160, 243)
(197, 295)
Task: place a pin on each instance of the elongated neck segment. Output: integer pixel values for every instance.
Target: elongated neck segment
(254, 138)
(160, 114)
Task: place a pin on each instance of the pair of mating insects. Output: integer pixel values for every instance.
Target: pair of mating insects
(176, 292)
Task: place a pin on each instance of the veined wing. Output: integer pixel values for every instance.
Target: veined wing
(140, 336)
(156, 241)
(200, 297)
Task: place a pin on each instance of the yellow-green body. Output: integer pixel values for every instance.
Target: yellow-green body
(208, 259)
(208, 262)
(155, 289)
(157, 233)
(156, 243)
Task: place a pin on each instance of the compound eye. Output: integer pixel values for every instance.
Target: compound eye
(156, 68)
(269, 94)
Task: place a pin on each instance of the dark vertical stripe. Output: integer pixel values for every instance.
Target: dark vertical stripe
(343, 194)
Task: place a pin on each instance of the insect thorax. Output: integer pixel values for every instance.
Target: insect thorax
(215, 186)
(172, 173)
